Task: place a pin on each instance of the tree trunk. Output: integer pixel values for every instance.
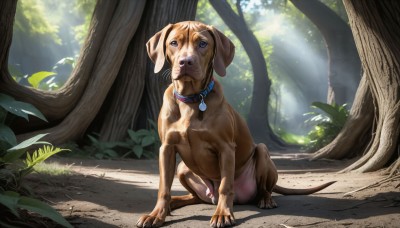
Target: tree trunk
(137, 87)
(344, 65)
(124, 21)
(7, 14)
(356, 132)
(257, 121)
(56, 105)
(376, 29)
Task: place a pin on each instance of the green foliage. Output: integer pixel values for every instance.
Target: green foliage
(18, 108)
(141, 143)
(36, 78)
(8, 105)
(30, 19)
(102, 150)
(14, 201)
(46, 80)
(327, 125)
(292, 139)
(13, 168)
(85, 8)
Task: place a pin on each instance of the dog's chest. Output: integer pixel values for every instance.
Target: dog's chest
(194, 143)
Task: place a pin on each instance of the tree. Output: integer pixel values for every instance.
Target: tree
(344, 63)
(114, 51)
(376, 29)
(258, 115)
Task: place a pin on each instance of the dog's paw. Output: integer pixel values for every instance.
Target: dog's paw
(267, 202)
(149, 221)
(224, 219)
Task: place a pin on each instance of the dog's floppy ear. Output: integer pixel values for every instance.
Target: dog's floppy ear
(224, 51)
(156, 47)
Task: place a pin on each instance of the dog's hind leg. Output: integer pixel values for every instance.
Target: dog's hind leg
(195, 186)
(266, 176)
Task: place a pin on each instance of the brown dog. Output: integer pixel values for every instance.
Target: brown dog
(221, 163)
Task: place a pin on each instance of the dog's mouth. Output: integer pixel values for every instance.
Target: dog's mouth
(185, 75)
(183, 78)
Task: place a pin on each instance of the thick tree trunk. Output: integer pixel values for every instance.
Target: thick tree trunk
(351, 141)
(258, 114)
(7, 14)
(56, 105)
(137, 88)
(376, 29)
(344, 64)
(124, 21)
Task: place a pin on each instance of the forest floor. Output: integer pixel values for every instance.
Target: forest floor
(114, 193)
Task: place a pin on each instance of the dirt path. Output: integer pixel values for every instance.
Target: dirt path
(115, 193)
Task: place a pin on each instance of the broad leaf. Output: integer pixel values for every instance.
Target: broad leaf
(7, 135)
(37, 78)
(17, 151)
(43, 209)
(142, 132)
(138, 151)
(148, 140)
(336, 113)
(111, 153)
(10, 200)
(133, 136)
(19, 108)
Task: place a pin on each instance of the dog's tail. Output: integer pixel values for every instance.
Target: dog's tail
(306, 191)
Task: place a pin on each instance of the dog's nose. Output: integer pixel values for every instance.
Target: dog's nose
(186, 61)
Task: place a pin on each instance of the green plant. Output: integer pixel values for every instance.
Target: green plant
(12, 173)
(326, 125)
(13, 168)
(37, 80)
(101, 149)
(8, 105)
(46, 80)
(142, 143)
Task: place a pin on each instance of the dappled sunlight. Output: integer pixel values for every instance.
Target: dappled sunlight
(47, 38)
(273, 24)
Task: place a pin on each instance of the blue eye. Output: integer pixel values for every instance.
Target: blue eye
(174, 43)
(203, 44)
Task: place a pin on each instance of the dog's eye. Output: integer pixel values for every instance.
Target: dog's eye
(174, 43)
(203, 44)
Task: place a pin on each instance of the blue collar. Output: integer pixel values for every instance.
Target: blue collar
(196, 97)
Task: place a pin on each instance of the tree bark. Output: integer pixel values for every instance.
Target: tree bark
(356, 132)
(125, 20)
(7, 14)
(376, 29)
(137, 87)
(344, 64)
(257, 121)
(57, 104)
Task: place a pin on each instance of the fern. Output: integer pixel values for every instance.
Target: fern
(41, 154)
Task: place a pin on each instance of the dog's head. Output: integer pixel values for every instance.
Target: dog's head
(193, 49)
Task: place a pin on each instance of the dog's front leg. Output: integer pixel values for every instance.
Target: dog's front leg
(223, 215)
(167, 162)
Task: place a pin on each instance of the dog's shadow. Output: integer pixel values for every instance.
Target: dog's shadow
(289, 207)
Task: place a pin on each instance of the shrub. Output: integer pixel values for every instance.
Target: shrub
(327, 124)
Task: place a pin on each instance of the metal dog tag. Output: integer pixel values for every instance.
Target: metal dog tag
(202, 105)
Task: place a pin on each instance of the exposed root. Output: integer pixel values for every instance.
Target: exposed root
(375, 184)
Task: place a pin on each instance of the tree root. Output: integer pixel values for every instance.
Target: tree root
(375, 184)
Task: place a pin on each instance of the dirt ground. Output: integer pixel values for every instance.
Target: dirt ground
(109, 193)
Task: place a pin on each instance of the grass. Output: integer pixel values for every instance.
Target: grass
(53, 169)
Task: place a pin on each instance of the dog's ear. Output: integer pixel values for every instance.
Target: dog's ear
(156, 47)
(224, 51)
